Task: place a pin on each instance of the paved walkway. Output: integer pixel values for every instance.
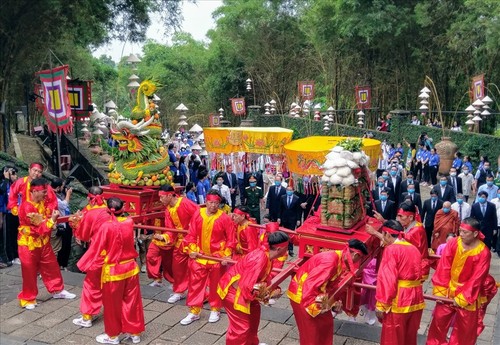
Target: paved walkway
(51, 321)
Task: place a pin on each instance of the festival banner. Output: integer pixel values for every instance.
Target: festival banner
(57, 109)
(214, 120)
(238, 106)
(363, 97)
(39, 103)
(478, 87)
(80, 97)
(306, 90)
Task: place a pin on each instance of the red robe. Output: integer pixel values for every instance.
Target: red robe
(417, 236)
(36, 254)
(20, 192)
(399, 293)
(89, 226)
(113, 251)
(318, 276)
(460, 275)
(444, 224)
(247, 240)
(236, 289)
(488, 291)
(209, 235)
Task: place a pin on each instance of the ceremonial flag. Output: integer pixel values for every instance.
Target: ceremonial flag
(80, 97)
(238, 106)
(57, 109)
(214, 120)
(306, 90)
(363, 97)
(478, 87)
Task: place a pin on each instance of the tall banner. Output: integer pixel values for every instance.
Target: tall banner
(39, 103)
(214, 120)
(306, 89)
(238, 106)
(80, 97)
(478, 87)
(57, 109)
(363, 97)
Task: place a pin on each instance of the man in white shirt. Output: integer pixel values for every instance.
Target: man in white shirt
(462, 207)
(467, 182)
(222, 188)
(488, 187)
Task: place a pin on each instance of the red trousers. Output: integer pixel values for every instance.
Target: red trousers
(313, 330)
(399, 328)
(480, 319)
(180, 271)
(123, 312)
(39, 260)
(159, 260)
(201, 276)
(91, 301)
(243, 327)
(464, 330)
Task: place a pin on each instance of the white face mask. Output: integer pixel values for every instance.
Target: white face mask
(219, 183)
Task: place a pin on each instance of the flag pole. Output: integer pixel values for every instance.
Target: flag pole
(58, 139)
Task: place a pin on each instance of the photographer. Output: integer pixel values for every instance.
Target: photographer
(8, 222)
(60, 238)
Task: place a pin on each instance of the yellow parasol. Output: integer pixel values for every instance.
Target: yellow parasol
(305, 156)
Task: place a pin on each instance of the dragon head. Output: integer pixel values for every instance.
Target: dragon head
(129, 135)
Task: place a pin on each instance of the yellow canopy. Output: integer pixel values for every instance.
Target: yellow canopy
(265, 140)
(306, 155)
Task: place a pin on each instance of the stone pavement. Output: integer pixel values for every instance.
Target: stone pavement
(51, 321)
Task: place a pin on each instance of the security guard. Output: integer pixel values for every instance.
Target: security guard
(254, 195)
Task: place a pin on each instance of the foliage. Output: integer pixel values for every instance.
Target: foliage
(351, 144)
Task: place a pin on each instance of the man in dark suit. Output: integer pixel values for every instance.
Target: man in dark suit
(379, 187)
(384, 207)
(455, 182)
(485, 213)
(289, 212)
(274, 198)
(431, 206)
(394, 183)
(403, 188)
(231, 181)
(443, 191)
(413, 196)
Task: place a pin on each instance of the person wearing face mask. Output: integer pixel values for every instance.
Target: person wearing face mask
(434, 161)
(289, 212)
(274, 198)
(444, 191)
(431, 206)
(403, 188)
(446, 221)
(486, 214)
(395, 182)
(455, 181)
(380, 186)
(223, 189)
(468, 184)
(414, 196)
(495, 242)
(253, 198)
(488, 187)
(462, 207)
(385, 209)
(482, 174)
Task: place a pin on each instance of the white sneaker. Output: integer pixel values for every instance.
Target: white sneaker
(214, 316)
(190, 318)
(175, 297)
(30, 306)
(105, 339)
(262, 343)
(351, 318)
(334, 314)
(64, 295)
(16, 261)
(369, 317)
(83, 323)
(154, 283)
(143, 268)
(271, 301)
(136, 339)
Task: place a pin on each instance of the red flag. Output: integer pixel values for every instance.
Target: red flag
(80, 97)
(306, 89)
(238, 106)
(478, 87)
(363, 97)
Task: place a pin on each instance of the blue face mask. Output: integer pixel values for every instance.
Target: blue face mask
(253, 184)
(383, 197)
(386, 177)
(277, 183)
(489, 183)
(393, 173)
(446, 210)
(443, 183)
(460, 201)
(381, 184)
(411, 191)
(410, 181)
(289, 192)
(482, 200)
(434, 198)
